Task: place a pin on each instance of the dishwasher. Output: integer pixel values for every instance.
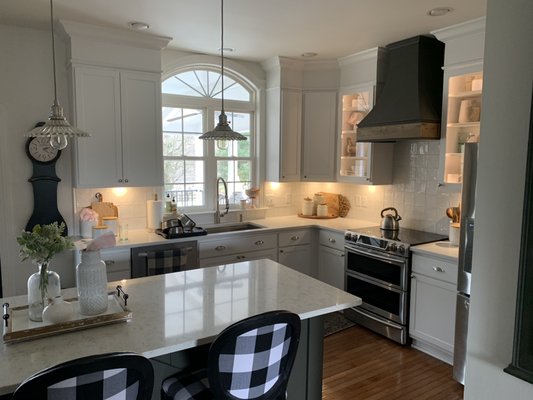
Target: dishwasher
(164, 258)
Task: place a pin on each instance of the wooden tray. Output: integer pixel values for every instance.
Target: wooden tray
(18, 327)
(317, 217)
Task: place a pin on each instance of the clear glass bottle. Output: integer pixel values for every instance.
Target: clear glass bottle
(91, 282)
(42, 286)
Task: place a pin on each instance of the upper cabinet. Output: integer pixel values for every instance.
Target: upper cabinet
(116, 84)
(301, 103)
(462, 96)
(358, 162)
(122, 112)
(319, 117)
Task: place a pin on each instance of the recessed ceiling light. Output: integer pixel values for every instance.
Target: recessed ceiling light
(309, 54)
(138, 26)
(439, 11)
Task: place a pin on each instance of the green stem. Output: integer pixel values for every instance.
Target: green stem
(43, 282)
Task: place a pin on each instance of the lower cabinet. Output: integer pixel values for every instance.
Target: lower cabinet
(295, 250)
(118, 263)
(433, 298)
(236, 248)
(331, 258)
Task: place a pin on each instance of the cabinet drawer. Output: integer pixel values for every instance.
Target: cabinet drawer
(435, 268)
(236, 244)
(240, 257)
(296, 237)
(331, 239)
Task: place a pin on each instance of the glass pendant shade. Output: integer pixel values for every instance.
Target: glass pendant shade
(222, 131)
(57, 127)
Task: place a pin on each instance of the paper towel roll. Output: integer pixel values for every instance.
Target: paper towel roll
(154, 214)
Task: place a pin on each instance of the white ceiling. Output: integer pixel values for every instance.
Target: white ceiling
(257, 29)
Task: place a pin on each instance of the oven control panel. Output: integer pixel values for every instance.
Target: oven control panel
(382, 244)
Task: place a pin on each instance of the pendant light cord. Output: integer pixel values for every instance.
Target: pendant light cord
(222, 49)
(53, 49)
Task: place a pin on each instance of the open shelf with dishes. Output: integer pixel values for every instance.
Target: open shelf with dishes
(462, 110)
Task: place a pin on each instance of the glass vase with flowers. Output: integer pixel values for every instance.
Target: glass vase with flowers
(41, 245)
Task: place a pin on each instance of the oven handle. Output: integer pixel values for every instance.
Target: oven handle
(374, 254)
(382, 320)
(381, 284)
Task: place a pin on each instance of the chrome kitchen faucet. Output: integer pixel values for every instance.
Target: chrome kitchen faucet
(217, 212)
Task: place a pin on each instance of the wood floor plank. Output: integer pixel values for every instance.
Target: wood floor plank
(361, 365)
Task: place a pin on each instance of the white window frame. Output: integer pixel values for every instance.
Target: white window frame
(209, 106)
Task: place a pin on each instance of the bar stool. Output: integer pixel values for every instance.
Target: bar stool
(126, 376)
(251, 359)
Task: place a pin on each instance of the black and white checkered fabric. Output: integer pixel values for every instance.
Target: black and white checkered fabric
(111, 384)
(249, 366)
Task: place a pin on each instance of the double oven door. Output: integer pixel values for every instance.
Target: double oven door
(381, 280)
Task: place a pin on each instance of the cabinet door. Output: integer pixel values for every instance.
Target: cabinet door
(98, 159)
(297, 257)
(319, 110)
(283, 139)
(118, 263)
(432, 317)
(141, 129)
(331, 266)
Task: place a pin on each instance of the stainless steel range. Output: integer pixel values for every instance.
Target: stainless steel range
(378, 269)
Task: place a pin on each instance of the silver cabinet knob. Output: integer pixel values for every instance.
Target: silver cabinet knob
(125, 180)
(220, 248)
(295, 237)
(331, 240)
(120, 180)
(438, 269)
(413, 276)
(259, 243)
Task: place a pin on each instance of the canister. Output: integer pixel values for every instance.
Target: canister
(322, 210)
(307, 206)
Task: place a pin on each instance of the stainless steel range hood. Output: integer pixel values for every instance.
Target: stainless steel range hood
(410, 103)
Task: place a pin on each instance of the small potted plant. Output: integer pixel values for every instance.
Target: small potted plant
(41, 245)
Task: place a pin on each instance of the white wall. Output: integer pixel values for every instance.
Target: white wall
(26, 94)
(508, 77)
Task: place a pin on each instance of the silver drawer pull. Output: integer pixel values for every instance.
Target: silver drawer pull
(109, 262)
(259, 243)
(241, 257)
(438, 269)
(220, 248)
(331, 240)
(295, 237)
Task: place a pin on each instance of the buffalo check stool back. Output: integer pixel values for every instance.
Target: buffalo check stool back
(251, 359)
(113, 376)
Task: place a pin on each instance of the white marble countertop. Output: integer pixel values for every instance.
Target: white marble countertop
(443, 249)
(177, 311)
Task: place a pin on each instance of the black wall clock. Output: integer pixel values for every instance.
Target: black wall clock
(44, 181)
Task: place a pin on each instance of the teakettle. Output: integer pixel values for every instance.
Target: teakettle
(389, 222)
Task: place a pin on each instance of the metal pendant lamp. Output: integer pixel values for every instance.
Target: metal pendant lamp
(57, 127)
(222, 131)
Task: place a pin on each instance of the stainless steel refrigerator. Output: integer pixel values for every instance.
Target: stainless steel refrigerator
(466, 240)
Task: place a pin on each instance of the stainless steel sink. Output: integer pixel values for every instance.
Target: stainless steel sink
(245, 226)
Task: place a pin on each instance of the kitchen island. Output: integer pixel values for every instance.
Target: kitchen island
(183, 310)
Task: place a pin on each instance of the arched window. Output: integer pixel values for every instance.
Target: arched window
(191, 106)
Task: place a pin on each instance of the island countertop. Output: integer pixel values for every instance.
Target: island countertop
(177, 311)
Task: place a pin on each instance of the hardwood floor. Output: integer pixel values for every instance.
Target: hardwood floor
(361, 365)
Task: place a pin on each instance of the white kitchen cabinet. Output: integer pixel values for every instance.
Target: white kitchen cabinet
(295, 250)
(360, 162)
(461, 115)
(433, 298)
(236, 248)
(319, 116)
(122, 112)
(118, 263)
(462, 84)
(331, 258)
(284, 134)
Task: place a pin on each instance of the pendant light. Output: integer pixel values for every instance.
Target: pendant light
(57, 127)
(222, 131)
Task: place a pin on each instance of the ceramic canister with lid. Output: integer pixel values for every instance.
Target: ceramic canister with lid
(322, 210)
(307, 206)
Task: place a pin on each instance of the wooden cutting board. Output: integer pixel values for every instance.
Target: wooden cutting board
(104, 209)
